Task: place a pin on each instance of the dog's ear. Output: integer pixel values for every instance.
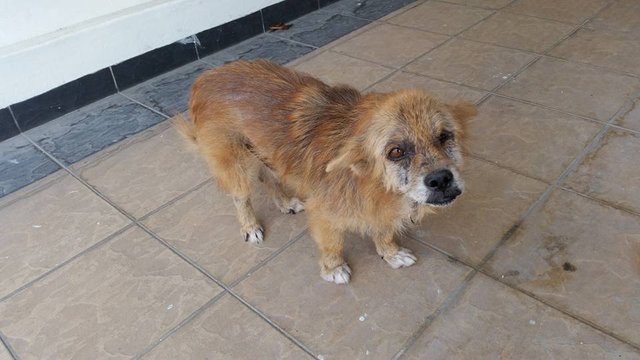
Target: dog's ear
(462, 111)
(350, 156)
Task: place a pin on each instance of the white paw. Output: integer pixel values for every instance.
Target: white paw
(254, 236)
(403, 258)
(340, 275)
(293, 206)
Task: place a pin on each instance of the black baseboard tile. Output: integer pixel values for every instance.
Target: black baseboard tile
(287, 10)
(228, 34)
(63, 99)
(7, 125)
(150, 64)
(324, 3)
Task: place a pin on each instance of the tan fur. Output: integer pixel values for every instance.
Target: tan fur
(323, 144)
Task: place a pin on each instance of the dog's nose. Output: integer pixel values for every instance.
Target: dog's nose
(439, 180)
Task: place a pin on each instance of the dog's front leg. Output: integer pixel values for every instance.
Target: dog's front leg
(330, 242)
(393, 254)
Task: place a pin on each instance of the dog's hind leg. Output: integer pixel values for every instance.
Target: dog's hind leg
(393, 254)
(234, 167)
(281, 197)
(330, 241)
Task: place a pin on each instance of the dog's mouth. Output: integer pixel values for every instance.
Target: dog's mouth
(443, 198)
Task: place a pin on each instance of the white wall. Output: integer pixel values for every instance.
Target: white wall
(46, 43)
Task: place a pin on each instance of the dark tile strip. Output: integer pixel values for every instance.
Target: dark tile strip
(228, 34)
(153, 63)
(8, 127)
(63, 99)
(287, 10)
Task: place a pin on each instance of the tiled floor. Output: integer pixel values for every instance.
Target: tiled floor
(115, 243)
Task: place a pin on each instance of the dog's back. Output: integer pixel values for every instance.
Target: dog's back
(276, 114)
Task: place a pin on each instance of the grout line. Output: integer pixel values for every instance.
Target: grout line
(113, 76)
(194, 315)
(145, 106)
(268, 259)
(600, 201)
(450, 302)
(498, 165)
(91, 248)
(227, 288)
(176, 199)
(7, 345)
(530, 294)
(275, 35)
(264, 28)
(15, 120)
(197, 313)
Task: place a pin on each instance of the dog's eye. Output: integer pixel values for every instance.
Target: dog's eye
(445, 136)
(396, 154)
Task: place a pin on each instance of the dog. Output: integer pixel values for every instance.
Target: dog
(367, 163)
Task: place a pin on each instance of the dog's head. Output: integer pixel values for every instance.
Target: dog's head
(413, 143)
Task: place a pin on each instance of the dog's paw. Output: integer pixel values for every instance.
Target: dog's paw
(339, 275)
(255, 235)
(403, 258)
(292, 206)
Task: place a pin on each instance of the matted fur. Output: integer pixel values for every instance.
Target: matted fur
(326, 145)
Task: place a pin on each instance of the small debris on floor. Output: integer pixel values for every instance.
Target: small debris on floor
(279, 27)
(567, 266)
(532, 322)
(363, 317)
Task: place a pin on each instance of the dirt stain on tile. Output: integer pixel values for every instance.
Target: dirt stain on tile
(567, 266)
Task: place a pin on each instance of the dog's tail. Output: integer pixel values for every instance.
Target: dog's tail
(186, 128)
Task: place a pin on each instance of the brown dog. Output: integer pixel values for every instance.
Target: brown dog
(366, 163)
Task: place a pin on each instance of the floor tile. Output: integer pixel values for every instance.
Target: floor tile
(440, 17)
(372, 316)
(519, 31)
(631, 120)
(621, 15)
(471, 63)
(443, 90)
(334, 68)
(370, 9)
(263, 46)
(492, 321)
(611, 172)
(144, 173)
(48, 223)
(92, 128)
(488, 4)
(203, 226)
(569, 11)
(611, 49)
(320, 28)
(227, 330)
(112, 302)
(495, 199)
(534, 141)
(22, 164)
(576, 88)
(390, 45)
(168, 93)
(581, 256)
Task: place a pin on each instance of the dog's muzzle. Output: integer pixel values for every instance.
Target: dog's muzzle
(442, 186)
